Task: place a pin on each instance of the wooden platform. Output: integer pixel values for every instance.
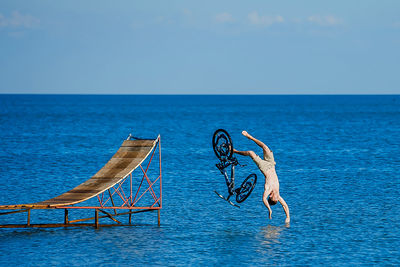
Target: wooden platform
(128, 157)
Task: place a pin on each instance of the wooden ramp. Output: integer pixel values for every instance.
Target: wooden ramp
(129, 156)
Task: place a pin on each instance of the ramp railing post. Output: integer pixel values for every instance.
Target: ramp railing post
(29, 218)
(96, 218)
(66, 216)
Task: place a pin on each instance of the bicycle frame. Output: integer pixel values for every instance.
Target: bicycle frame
(230, 183)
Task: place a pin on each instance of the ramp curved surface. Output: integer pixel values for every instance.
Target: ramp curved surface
(128, 157)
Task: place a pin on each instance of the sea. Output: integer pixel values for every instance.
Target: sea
(337, 159)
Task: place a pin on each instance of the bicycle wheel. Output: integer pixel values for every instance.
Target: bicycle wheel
(222, 144)
(246, 188)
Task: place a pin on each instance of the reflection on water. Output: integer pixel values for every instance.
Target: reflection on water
(270, 234)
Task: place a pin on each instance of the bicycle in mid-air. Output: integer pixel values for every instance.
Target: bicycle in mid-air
(223, 148)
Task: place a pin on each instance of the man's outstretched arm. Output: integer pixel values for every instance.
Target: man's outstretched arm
(265, 201)
(285, 208)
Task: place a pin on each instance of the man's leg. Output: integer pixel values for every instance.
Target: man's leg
(258, 142)
(249, 153)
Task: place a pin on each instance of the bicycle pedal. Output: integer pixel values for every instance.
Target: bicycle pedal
(220, 195)
(233, 204)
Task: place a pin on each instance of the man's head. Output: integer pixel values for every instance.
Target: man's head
(272, 202)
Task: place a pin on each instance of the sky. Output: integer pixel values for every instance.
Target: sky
(200, 47)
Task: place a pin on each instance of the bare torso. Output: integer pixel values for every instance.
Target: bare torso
(271, 182)
(267, 167)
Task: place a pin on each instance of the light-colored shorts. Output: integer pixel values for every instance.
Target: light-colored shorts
(264, 164)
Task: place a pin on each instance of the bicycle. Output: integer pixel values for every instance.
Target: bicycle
(223, 148)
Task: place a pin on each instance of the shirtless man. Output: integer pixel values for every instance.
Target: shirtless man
(267, 167)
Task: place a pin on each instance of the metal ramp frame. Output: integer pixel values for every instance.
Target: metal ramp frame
(116, 187)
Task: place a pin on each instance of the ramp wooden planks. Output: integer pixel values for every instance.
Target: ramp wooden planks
(128, 157)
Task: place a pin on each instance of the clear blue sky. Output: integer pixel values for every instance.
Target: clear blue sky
(200, 47)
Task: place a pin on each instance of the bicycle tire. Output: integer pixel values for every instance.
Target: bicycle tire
(223, 150)
(246, 188)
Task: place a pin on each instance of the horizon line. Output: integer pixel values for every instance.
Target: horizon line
(142, 94)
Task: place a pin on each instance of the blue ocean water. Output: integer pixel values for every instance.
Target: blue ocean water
(337, 161)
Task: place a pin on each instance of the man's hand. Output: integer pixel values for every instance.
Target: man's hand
(287, 221)
(270, 214)
(245, 133)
